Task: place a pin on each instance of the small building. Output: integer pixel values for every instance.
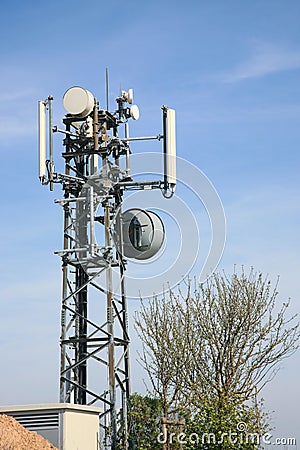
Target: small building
(67, 426)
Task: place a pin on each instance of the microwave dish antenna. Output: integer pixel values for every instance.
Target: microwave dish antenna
(143, 233)
(78, 101)
(128, 96)
(134, 112)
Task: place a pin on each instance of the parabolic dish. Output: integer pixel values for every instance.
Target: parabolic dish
(78, 101)
(134, 112)
(143, 233)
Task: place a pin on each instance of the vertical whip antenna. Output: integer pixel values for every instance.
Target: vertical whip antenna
(106, 87)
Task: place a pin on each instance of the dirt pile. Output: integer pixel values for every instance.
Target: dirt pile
(13, 436)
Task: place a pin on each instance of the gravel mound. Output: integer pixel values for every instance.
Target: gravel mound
(13, 436)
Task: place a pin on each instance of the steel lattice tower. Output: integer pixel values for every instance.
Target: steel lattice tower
(92, 206)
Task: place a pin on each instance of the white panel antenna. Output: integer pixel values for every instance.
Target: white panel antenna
(42, 142)
(46, 165)
(169, 123)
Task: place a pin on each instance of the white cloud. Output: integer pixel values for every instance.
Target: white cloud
(265, 60)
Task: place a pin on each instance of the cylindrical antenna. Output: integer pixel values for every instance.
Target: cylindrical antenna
(42, 142)
(106, 87)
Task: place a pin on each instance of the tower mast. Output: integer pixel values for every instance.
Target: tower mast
(93, 275)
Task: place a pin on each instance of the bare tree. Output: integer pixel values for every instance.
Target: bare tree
(223, 339)
(163, 331)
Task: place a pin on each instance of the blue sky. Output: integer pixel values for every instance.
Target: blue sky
(231, 70)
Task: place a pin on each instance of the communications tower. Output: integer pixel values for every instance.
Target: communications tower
(98, 239)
